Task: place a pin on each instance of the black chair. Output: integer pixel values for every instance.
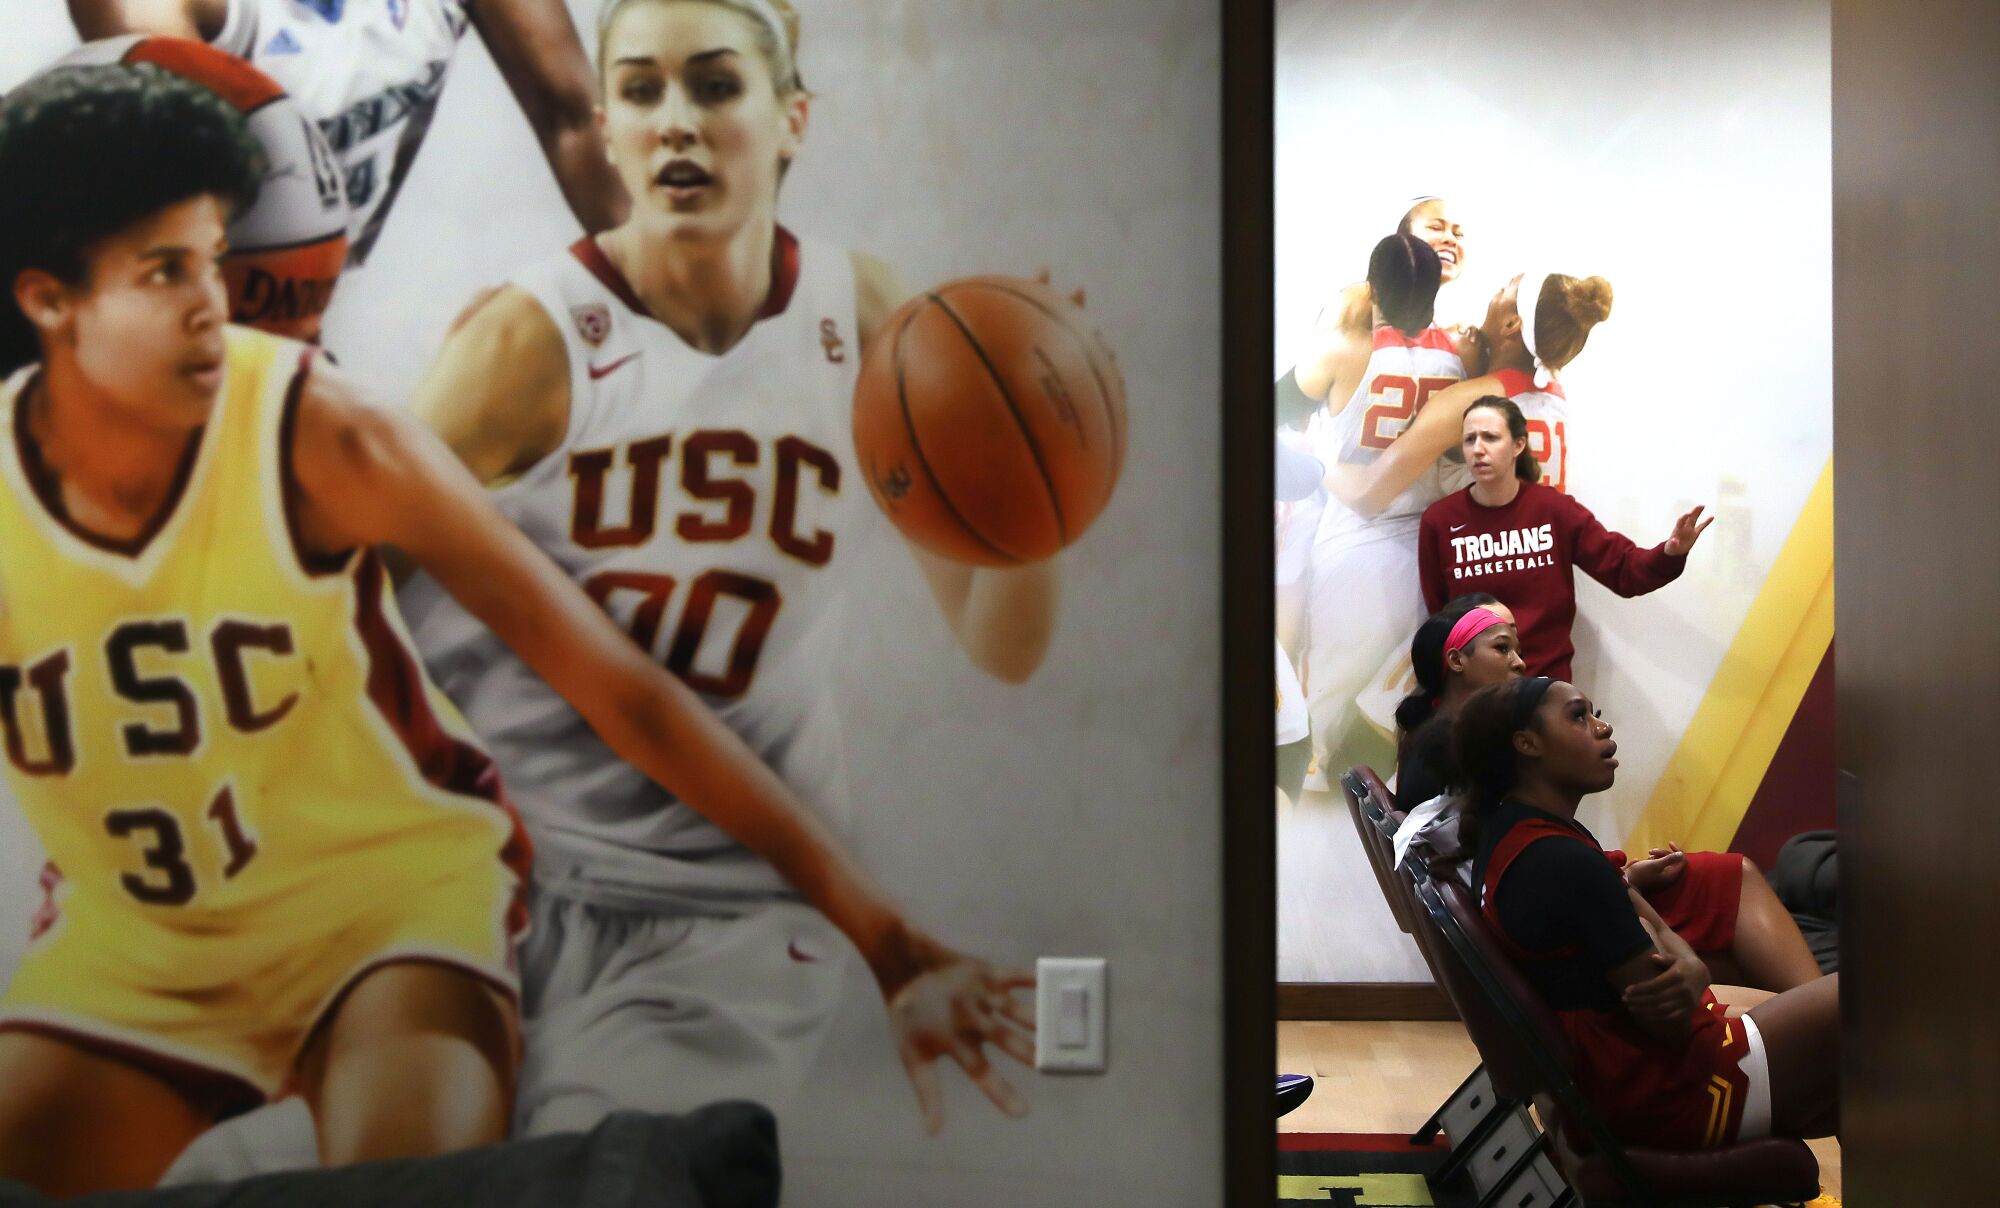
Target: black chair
(1473, 1111)
(1530, 1058)
(1376, 818)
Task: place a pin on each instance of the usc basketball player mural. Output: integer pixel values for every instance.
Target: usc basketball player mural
(670, 411)
(685, 423)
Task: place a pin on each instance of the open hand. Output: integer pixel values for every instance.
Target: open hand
(1661, 869)
(955, 1006)
(1687, 530)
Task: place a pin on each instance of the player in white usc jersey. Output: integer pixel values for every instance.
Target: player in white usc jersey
(1327, 375)
(666, 409)
(1364, 594)
(1343, 335)
(369, 73)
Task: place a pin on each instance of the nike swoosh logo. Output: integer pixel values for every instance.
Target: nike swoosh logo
(792, 950)
(1456, 527)
(598, 371)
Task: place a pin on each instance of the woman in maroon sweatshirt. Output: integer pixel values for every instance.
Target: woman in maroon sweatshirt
(1510, 535)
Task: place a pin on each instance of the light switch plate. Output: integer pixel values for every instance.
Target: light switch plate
(1070, 1014)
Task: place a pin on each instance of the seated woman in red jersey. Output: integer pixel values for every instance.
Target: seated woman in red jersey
(1656, 1053)
(1719, 902)
(1510, 534)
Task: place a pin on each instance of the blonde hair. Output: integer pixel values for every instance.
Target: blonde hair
(1564, 314)
(776, 23)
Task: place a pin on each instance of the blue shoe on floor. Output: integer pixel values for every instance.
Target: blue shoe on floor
(1293, 1089)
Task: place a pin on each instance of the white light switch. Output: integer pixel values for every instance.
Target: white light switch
(1070, 1014)
(1072, 1017)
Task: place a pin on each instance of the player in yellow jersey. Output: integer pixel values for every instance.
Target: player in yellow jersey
(280, 861)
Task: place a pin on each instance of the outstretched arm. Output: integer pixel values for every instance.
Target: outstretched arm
(535, 45)
(371, 476)
(1003, 617)
(1615, 561)
(1433, 433)
(198, 19)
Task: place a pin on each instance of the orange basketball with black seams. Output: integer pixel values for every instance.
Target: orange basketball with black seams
(989, 421)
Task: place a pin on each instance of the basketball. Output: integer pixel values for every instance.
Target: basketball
(989, 421)
(287, 250)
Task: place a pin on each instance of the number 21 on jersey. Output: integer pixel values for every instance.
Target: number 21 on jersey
(1550, 445)
(1393, 401)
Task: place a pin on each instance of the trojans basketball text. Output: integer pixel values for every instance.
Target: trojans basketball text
(1496, 553)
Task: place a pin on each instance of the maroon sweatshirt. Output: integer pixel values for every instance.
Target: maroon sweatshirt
(1523, 553)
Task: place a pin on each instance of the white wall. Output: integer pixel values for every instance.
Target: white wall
(1680, 149)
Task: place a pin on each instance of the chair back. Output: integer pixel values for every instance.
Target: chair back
(1529, 1057)
(1503, 1012)
(1514, 1030)
(1375, 820)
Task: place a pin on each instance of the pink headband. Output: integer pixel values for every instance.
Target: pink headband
(1470, 626)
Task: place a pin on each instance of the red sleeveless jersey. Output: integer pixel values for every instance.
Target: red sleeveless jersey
(1686, 1093)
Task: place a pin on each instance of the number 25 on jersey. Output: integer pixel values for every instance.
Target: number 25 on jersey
(1393, 401)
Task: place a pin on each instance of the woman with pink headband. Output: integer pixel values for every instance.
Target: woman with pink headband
(1459, 649)
(1718, 902)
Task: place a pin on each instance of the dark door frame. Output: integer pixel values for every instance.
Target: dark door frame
(1249, 760)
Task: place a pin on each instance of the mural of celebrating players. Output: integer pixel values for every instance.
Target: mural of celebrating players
(586, 837)
(1472, 333)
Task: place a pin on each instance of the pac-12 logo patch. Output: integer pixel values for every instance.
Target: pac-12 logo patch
(829, 339)
(593, 322)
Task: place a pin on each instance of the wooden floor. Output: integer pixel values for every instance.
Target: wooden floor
(1388, 1076)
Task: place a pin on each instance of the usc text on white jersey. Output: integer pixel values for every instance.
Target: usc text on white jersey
(708, 503)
